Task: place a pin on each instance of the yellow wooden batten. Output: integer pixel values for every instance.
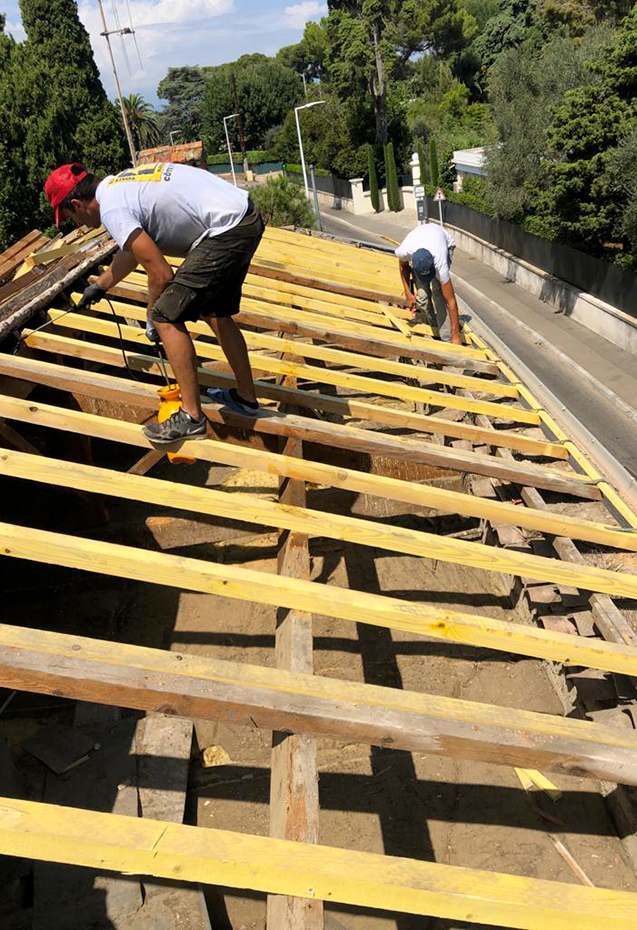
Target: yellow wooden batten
(345, 406)
(311, 597)
(367, 363)
(311, 372)
(582, 460)
(315, 523)
(328, 475)
(139, 846)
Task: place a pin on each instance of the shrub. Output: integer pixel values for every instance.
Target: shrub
(282, 203)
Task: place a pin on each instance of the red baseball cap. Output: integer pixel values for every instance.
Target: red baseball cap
(60, 183)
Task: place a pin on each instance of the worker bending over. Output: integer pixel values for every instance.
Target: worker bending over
(169, 209)
(425, 253)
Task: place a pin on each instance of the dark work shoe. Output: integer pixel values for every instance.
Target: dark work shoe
(230, 399)
(178, 426)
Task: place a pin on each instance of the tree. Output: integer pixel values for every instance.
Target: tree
(391, 180)
(70, 116)
(282, 203)
(422, 162)
(433, 162)
(142, 120)
(577, 200)
(266, 91)
(523, 86)
(515, 24)
(53, 110)
(183, 88)
(14, 212)
(331, 136)
(371, 41)
(307, 56)
(373, 179)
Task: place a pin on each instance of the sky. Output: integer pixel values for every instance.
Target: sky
(171, 33)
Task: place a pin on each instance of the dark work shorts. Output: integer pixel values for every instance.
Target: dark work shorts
(209, 281)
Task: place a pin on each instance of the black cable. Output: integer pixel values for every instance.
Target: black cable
(131, 372)
(73, 308)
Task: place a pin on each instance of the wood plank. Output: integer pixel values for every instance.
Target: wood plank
(12, 258)
(294, 594)
(328, 332)
(301, 522)
(336, 356)
(319, 473)
(345, 406)
(207, 688)
(15, 312)
(294, 798)
(266, 422)
(312, 373)
(238, 860)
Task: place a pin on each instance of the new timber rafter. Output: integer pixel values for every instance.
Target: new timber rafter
(313, 400)
(273, 463)
(278, 591)
(314, 523)
(270, 424)
(239, 860)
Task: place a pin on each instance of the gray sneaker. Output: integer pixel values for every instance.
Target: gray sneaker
(224, 397)
(179, 426)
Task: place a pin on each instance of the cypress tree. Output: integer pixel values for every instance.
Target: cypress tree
(373, 179)
(422, 162)
(433, 162)
(70, 117)
(393, 194)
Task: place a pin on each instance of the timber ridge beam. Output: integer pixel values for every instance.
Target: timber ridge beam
(310, 596)
(217, 857)
(275, 699)
(314, 523)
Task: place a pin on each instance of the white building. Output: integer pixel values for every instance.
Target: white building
(468, 163)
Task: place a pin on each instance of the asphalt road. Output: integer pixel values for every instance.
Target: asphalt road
(580, 392)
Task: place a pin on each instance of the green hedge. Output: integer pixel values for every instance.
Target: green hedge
(317, 171)
(255, 157)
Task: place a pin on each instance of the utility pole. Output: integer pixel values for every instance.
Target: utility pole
(242, 141)
(107, 35)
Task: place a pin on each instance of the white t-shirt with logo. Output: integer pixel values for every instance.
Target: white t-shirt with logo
(177, 205)
(434, 238)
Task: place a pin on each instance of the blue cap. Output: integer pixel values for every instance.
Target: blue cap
(422, 261)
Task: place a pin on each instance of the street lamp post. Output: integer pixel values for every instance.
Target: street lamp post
(305, 106)
(225, 126)
(175, 132)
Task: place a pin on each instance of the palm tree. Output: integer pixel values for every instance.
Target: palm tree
(142, 120)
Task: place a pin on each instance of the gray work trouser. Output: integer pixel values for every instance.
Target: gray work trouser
(431, 306)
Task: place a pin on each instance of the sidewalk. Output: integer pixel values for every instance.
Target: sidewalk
(594, 378)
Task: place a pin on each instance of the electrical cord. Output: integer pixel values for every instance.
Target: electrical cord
(75, 307)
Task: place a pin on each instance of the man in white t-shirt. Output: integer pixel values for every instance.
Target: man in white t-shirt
(425, 254)
(169, 209)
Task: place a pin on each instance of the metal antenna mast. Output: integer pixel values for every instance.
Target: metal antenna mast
(106, 35)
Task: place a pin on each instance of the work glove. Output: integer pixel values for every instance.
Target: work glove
(90, 296)
(151, 333)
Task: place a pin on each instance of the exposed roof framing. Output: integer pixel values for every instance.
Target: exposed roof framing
(356, 396)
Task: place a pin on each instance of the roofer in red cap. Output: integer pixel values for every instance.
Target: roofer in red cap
(169, 209)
